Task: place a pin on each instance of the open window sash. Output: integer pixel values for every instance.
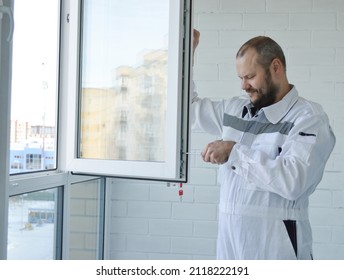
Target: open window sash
(105, 136)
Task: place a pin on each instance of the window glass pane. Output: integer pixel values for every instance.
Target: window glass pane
(124, 79)
(34, 86)
(31, 226)
(84, 217)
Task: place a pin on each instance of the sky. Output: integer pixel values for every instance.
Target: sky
(117, 32)
(34, 65)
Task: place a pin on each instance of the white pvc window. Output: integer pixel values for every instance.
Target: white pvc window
(127, 95)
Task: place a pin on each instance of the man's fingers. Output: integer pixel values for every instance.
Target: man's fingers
(217, 152)
(204, 154)
(208, 154)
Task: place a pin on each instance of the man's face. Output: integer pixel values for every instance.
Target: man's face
(256, 81)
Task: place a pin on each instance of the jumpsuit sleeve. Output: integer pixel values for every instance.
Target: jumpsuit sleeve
(299, 166)
(206, 115)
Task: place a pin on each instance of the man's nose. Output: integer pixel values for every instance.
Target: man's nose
(244, 84)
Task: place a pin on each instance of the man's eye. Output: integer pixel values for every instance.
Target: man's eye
(247, 77)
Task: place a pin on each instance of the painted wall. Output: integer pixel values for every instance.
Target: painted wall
(148, 221)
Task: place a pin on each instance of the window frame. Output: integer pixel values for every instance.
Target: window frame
(5, 101)
(175, 167)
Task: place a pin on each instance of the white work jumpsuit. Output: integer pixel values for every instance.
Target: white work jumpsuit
(277, 162)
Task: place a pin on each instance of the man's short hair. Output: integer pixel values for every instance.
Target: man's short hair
(267, 50)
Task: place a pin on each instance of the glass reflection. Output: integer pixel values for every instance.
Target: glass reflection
(124, 80)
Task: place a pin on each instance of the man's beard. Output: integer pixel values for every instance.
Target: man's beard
(267, 95)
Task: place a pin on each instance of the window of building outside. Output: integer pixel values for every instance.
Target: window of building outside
(34, 86)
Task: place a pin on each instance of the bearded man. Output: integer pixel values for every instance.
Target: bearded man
(272, 154)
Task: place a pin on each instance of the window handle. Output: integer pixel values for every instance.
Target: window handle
(8, 11)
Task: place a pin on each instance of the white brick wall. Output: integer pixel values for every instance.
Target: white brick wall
(148, 220)
(152, 223)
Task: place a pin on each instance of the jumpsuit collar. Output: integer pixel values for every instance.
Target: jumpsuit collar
(277, 111)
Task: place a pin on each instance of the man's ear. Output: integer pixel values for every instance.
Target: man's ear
(276, 66)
